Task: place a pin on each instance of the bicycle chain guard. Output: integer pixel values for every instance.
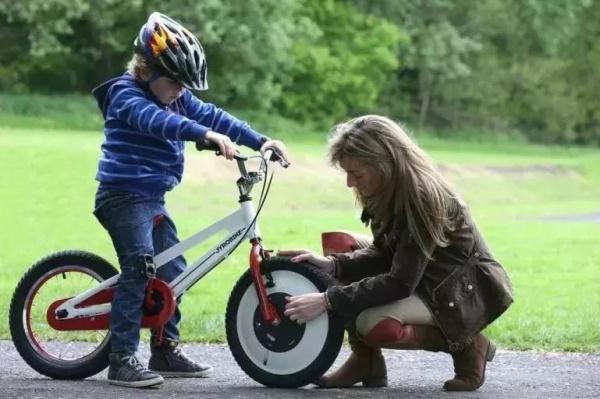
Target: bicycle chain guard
(159, 307)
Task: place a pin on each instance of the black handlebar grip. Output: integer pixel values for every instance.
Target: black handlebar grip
(277, 157)
(203, 145)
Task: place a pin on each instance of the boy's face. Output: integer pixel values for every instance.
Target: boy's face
(166, 89)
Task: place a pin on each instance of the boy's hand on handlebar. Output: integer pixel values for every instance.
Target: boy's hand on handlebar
(303, 255)
(226, 147)
(278, 147)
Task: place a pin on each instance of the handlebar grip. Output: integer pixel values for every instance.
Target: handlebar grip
(273, 157)
(203, 145)
(276, 157)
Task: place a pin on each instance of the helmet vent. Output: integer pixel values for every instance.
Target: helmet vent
(182, 45)
(175, 51)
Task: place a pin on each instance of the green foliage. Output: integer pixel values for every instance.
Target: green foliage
(498, 65)
(491, 65)
(247, 44)
(521, 79)
(64, 45)
(344, 66)
(582, 76)
(45, 21)
(438, 54)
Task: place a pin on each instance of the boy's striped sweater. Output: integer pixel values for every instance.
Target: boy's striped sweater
(144, 140)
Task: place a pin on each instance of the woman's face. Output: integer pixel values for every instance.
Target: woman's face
(361, 177)
(166, 90)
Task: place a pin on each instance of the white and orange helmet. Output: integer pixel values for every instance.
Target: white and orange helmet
(173, 50)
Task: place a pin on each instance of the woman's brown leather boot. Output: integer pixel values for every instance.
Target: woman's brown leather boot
(365, 364)
(469, 365)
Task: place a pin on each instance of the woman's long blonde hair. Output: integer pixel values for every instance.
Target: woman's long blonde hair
(412, 193)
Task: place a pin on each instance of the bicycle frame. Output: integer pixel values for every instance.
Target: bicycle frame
(239, 225)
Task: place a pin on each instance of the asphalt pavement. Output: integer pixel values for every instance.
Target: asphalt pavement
(412, 374)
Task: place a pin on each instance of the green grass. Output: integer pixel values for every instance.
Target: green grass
(74, 111)
(80, 112)
(47, 188)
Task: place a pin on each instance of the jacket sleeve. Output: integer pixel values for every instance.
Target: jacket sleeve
(129, 104)
(356, 265)
(220, 121)
(408, 266)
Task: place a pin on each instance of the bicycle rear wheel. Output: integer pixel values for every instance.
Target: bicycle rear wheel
(288, 355)
(58, 354)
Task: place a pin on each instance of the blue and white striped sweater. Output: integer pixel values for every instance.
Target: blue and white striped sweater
(144, 140)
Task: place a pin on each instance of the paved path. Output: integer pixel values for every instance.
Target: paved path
(413, 374)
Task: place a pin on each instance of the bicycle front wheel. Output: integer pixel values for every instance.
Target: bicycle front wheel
(58, 354)
(288, 355)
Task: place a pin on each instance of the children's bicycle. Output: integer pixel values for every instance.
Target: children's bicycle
(60, 310)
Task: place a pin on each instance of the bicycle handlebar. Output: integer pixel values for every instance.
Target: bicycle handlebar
(203, 145)
(269, 155)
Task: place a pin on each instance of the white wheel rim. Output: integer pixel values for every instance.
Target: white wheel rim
(68, 352)
(309, 347)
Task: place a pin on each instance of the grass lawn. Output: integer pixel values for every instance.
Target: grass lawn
(47, 187)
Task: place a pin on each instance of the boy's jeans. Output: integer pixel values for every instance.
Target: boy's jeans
(129, 219)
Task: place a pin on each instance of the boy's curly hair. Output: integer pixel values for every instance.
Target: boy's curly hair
(139, 67)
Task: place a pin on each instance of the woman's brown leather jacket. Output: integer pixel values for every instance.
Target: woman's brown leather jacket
(463, 285)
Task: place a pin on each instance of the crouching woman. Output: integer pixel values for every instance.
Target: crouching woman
(428, 280)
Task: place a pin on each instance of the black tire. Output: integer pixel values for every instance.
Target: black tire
(82, 268)
(288, 355)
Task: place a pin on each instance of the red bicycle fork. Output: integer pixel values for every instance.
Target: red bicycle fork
(267, 310)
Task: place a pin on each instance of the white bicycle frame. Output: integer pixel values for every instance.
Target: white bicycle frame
(237, 223)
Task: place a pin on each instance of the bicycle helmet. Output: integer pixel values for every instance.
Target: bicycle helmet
(173, 50)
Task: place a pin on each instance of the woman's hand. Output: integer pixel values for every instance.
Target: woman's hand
(226, 147)
(276, 145)
(304, 255)
(303, 308)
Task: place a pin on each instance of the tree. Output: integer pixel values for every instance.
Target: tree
(437, 54)
(247, 44)
(343, 67)
(66, 45)
(520, 78)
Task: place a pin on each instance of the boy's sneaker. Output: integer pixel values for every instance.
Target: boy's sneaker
(127, 371)
(169, 361)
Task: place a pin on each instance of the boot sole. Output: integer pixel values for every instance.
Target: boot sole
(375, 383)
(489, 356)
(154, 382)
(371, 383)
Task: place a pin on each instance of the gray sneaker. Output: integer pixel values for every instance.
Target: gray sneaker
(126, 370)
(169, 361)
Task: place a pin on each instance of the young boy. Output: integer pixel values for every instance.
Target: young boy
(149, 113)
